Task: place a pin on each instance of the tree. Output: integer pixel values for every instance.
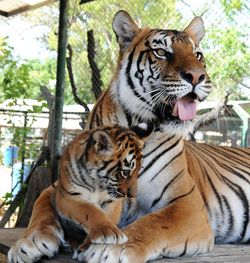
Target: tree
(22, 78)
(98, 15)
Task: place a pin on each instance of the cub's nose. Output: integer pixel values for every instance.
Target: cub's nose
(126, 173)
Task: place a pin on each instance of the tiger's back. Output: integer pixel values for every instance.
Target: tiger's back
(223, 178)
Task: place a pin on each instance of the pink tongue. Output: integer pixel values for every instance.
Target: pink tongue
(186, 108)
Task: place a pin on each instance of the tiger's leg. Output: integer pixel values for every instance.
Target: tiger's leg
(43, 235)
(180, 229)
(100, 227)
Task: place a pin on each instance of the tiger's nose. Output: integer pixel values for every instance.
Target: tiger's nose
(193, 76)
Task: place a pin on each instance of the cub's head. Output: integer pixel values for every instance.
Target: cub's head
(161, 73)
(112, 158)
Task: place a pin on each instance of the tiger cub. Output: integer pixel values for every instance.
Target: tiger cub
(98, 170)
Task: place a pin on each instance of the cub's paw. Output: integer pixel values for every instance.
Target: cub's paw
(108, 235)
(35, 244)
(97, 254)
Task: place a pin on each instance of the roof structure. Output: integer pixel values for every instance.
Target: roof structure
(14, 7)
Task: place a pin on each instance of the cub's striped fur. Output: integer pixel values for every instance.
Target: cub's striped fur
(188, 194)
(99, 169)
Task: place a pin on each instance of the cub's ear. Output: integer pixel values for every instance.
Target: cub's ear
(125, 29)
(196, 29)
(102, 143)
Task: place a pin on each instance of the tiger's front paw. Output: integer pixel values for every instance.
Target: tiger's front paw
(35, 244)
(131, 253)
(108, 235)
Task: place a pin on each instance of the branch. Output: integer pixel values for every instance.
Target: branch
(186, 4)
(244, 85)
(72, 80)
(212, 115)
(47, 96)
(240, 83)
(96, 76)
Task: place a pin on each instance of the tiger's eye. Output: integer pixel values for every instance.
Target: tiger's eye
(160, 52)
(199, 55)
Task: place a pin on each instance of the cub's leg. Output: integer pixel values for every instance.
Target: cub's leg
(99, 225)
(182, 228)
(43, 235)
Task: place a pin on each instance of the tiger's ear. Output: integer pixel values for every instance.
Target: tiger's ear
(196, 29)
(125, 29)
(102, 143)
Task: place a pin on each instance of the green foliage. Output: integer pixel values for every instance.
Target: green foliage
(21, 78)
(8, 198)
(98, 15)
(232, 6)
(227, 48)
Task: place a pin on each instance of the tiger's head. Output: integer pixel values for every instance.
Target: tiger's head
(161, 73)
(112, 157)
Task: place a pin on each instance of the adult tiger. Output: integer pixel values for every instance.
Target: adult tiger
(188, 194)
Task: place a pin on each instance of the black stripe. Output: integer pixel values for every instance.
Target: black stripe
(181, 196)
(217, 195)
(225, 154)
(242, 196)
(159, 155)
(157, 200)
(138, 66)
(69, 193)
(214, 156)
(130, 82)
(94, 113)
(184, 250)
(207, 176)
(169, 162)
(105, 164)
(158, 146)
(83, 183)
(230, 216)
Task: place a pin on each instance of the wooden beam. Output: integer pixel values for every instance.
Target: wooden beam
(2, 13)
(26, 8)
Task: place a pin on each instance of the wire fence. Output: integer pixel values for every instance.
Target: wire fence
(22, 136)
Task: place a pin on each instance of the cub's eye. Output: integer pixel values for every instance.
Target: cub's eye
(199, 55)
(161, 53)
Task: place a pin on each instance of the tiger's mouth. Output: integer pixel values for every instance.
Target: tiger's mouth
(181, 109)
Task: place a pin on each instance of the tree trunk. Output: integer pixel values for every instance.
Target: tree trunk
(41, 179)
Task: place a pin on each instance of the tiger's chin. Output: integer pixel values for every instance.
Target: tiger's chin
(177, 115)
